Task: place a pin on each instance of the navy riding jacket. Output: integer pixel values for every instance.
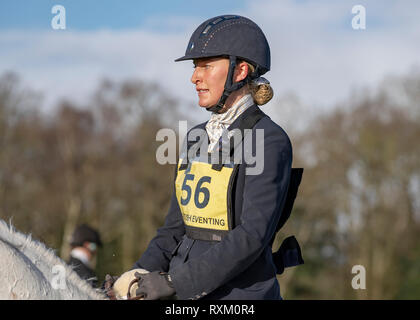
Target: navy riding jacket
(240, 266)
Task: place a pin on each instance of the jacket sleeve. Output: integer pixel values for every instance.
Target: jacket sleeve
(263, 199)
(159, 252)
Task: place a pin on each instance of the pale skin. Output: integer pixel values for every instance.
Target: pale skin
(209, 77)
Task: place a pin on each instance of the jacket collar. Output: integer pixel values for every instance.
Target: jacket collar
(235, 124)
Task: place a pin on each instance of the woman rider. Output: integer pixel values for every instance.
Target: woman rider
(217, 237)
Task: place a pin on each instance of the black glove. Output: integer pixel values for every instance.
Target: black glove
(155, 285)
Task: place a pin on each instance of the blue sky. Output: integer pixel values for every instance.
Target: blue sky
(316, 54)
(128, 14)
(106, 14)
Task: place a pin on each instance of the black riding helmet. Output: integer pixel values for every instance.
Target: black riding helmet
(85, 233)
(235, 37)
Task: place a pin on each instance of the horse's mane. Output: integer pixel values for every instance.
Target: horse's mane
(28, 266)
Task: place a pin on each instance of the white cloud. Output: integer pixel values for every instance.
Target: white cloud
(318, 54)
(70, 63)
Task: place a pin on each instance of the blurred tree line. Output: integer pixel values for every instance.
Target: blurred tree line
(93, 165)
(358, 202)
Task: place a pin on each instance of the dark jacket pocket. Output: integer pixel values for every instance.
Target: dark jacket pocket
(174, 252)
(181, 251)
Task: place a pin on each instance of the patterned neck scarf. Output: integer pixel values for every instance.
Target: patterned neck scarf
(220, 122)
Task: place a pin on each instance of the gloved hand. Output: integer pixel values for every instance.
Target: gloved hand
(155, 285)
(120, 287)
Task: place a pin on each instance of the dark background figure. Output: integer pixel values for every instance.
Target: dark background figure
(84, 243)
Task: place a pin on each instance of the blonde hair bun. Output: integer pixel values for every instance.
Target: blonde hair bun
(260, 88)
(261, 91)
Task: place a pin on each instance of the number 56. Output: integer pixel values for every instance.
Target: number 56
(199, 189)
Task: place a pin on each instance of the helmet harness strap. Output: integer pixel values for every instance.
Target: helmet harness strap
(229, 86)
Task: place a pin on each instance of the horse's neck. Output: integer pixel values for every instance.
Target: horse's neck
(35, 272)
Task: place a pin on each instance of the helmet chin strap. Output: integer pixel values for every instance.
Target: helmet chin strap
(229, 86)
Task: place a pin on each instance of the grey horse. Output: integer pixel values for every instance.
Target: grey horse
(30, 270)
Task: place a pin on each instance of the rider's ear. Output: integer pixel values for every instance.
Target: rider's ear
(241, 71)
